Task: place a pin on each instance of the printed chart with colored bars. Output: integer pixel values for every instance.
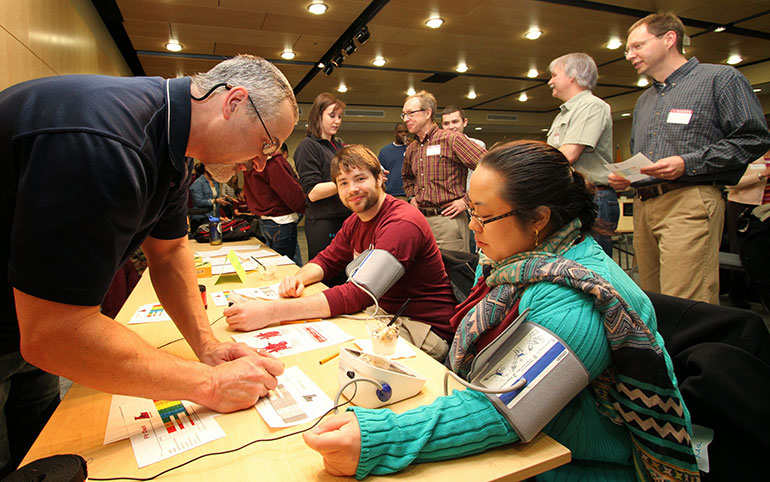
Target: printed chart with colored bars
(173, 414)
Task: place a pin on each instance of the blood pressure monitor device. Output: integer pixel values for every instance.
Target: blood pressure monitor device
(541, 371)
(376, 270)
(393, 381)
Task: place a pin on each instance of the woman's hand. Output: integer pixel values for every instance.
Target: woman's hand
(338, 440)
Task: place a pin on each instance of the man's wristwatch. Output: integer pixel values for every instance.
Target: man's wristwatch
(760, 176)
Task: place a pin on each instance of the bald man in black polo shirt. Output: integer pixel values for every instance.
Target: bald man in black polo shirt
(98, 166)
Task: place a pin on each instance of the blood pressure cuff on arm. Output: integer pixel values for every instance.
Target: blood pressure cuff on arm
(554, 375)
(376, 270)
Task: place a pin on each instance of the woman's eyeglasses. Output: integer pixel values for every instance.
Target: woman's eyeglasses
(482, 222)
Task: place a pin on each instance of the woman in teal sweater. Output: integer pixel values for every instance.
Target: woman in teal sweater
(531, 213)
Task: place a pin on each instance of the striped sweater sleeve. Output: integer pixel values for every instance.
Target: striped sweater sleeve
(463, 423)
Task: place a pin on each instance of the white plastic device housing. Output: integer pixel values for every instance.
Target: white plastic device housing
(404, 382)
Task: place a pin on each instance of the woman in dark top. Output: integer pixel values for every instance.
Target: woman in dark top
(325, 213)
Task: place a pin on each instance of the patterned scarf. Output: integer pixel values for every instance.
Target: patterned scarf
(634, 391)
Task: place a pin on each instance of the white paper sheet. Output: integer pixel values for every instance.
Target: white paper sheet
(295, 400)
(242, 250)
(276, 261)
(291, 339)
(149, 313)
(630, 167)
(222, 298)
(160, 429)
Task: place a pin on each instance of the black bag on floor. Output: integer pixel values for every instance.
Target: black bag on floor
(237, 229)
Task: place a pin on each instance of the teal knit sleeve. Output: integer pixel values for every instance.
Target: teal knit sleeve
(457, 425)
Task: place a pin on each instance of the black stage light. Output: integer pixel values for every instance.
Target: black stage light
(338, 59)
(363, 35)
(328, 69)
(350, 47)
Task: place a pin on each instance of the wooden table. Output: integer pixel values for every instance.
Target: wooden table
(79, 423)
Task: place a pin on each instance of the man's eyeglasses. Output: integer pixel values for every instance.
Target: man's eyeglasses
(407, 115)
(268, 148)
(482, 222)
(636, 46)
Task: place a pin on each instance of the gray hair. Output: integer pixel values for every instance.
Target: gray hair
(579, 66)
(427, 101)
(267, 86)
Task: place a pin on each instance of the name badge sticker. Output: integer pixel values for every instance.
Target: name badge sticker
(433, 150)
(679, 116)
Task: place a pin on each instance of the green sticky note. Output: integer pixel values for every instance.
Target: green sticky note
(240, 273)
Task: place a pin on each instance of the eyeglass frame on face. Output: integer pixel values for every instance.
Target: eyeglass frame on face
(410, 114)
(637, 46)
(268, 148)
(482, 222)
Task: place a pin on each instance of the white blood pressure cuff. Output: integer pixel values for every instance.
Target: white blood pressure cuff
(552, 373)
(376, 270)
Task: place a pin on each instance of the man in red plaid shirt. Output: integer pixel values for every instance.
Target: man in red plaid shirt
(435, 172)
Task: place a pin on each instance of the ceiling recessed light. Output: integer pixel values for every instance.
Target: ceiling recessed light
(434, 22)
(721, 28)
(472, 94)
(342, 88)
(533, 34)
(411, 91)
(288, 54)
(642, 82)
(317, 8)
(625, 114)
(523, 97)
(734, 59)
(614, 44)
(173, 46)
(379, 61)
(477, 128)
(532, 73)
(461, 67)
(544, 130)
(757, 90)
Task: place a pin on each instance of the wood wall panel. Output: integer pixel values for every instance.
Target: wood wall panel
(54, 37)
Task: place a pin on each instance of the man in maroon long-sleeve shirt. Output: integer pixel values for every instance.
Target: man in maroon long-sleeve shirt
(379, 221)
(275, 195)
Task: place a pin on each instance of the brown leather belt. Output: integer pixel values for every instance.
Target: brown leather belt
(650, 192)
(430, 211)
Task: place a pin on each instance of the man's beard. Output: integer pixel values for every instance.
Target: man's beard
(223, 172)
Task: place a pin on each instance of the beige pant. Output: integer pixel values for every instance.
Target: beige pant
(420, 335)
(676, 242)
(451, 233)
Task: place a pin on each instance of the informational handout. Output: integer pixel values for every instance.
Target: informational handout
(160, 429)
(276, 261)
(255, 250)
(630, 167)
(295, 400)
(222, 298)
(291, 339)
(149, 313)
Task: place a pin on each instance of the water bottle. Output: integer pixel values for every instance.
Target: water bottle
(215, 231)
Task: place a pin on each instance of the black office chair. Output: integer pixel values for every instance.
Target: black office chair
(721, 359)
